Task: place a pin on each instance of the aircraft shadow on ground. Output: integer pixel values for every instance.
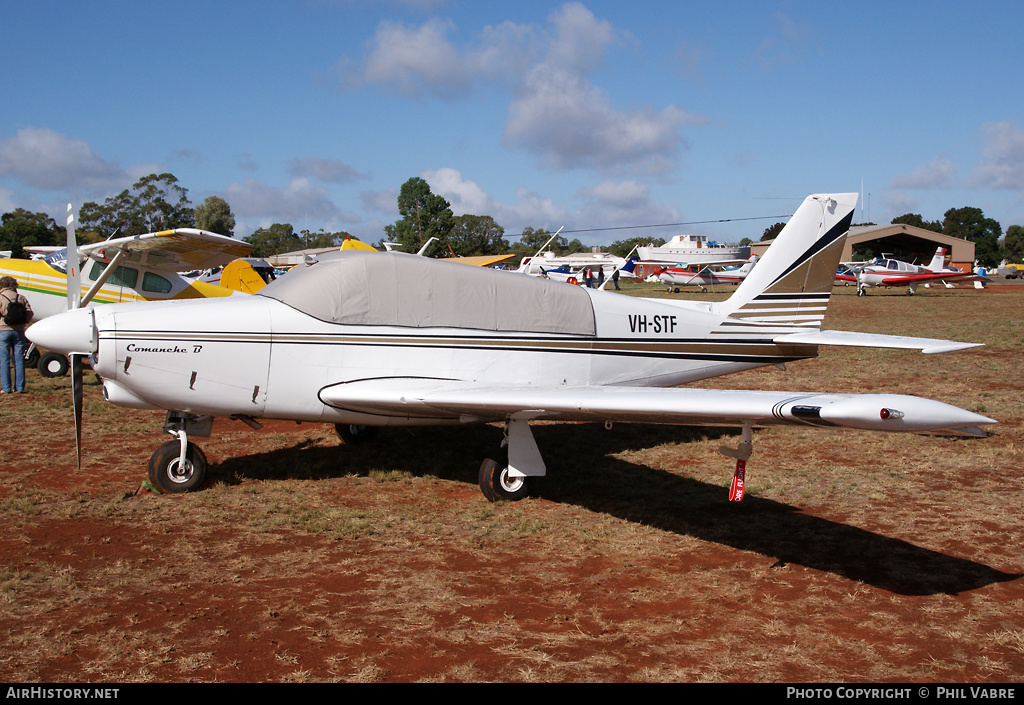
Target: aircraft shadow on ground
(582, 472)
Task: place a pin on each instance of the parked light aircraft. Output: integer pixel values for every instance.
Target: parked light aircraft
(394, 339)
(705, 276)
(133, 268)
(888, 271)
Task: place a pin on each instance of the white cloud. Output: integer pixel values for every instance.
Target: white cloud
(292, 204)
(326, 170)
(46, 159)
(938, 173)
(413, 60)
(555, 112)
(1002, 160)
(467, 197)
(569, 123)
(609, 204)
(623, 203)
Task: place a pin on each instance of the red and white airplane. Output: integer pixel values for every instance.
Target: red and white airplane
(886, 271)
(704, 276)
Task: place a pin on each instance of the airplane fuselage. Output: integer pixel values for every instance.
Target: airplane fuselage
(257, 357)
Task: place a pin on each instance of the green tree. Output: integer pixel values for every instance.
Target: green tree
(214, 215)
(477, 235)
(21, 228)
(1013, 243)
(772, 232)
(915, 220)
(321, 239)
(424, 215)
(622, 248)
(971, 224)
(276, 239)
(154, 203)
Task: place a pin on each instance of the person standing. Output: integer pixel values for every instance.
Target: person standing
(15, 314)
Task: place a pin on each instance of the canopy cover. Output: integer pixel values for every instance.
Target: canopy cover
(398, 289)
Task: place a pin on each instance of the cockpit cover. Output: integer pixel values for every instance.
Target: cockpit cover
(399, 289)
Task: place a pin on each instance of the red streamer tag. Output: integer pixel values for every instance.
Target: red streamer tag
(736, 489)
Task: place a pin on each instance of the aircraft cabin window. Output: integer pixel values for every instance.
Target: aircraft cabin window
(155, 283)
(122, 276)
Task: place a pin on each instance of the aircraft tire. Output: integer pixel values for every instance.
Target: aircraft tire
(354, 434)
(497, 485)
(53, 364)
(860, 292)
(163, 468)
(32, 358)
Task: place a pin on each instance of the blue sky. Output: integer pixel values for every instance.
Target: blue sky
(583, 115)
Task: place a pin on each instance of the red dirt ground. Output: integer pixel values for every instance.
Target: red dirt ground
(291, 566)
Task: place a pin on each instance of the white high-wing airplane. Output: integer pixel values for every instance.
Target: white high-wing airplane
(365, 339)
(888, 271)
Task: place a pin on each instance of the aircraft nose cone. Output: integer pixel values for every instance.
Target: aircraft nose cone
(70, 333)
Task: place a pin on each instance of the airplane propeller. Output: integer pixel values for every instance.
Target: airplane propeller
(74, 301)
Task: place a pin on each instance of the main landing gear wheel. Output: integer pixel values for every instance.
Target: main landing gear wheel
(354, 434)
(53, 364)
(168, 475)
(860, 292)
(497, 485)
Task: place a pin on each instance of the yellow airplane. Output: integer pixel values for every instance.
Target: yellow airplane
(133, 268)
(475, 260)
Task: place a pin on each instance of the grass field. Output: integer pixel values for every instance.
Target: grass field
(855, 557)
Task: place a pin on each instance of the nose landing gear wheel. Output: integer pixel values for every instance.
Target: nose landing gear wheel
(166, 473)
(497, 485)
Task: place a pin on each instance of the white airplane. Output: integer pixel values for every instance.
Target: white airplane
(705, 276)
(391, 339)
(134, 268)
(888, 271)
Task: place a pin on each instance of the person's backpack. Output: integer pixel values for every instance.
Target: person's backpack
(16, 313)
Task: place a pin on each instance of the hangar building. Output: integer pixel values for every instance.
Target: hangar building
(905, 242)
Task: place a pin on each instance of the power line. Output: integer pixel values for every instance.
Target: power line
(670, 225)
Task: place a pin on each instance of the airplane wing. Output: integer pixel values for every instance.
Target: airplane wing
(473, 402)
(666, 262)
(917, 278)
(179, 250)
(351, 243)
(482, 260)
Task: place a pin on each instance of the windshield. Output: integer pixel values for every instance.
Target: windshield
(396, 289)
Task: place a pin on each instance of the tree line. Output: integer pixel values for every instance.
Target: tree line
(158, 202)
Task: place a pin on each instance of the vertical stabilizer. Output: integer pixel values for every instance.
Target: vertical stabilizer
(938, 262)
(792, 282)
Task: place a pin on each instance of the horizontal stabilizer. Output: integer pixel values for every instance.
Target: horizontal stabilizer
(873, 340)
